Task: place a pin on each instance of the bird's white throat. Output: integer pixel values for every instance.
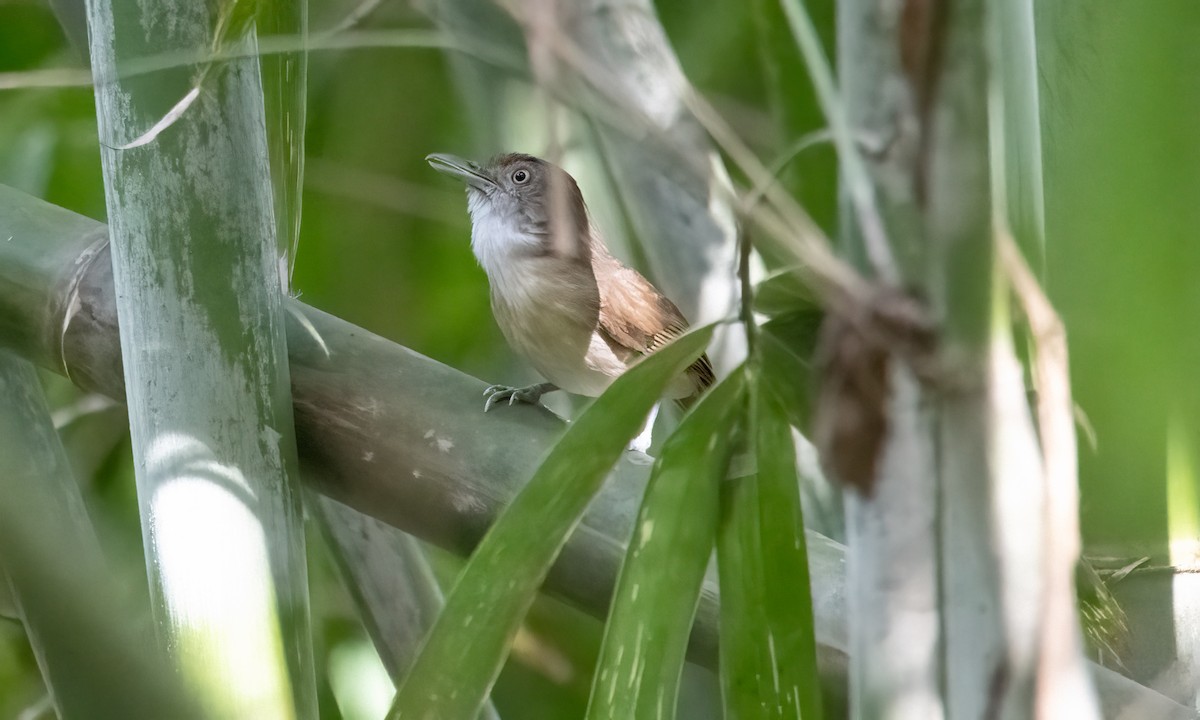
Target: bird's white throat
(496, 234)
(505, 252)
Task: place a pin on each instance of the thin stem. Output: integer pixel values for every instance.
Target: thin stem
(804, 142)
(745, 250)
(855, 177)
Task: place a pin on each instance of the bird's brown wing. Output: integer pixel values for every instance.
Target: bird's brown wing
(634, 314)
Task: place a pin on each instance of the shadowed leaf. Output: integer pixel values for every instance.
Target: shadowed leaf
(659, 585)
(768, 645)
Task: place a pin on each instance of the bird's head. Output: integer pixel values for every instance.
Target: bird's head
(521, 200)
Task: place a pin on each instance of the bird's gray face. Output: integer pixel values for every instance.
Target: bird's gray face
(521, 196)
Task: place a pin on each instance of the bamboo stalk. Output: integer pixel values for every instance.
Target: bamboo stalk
(892, 572)
(201, 316)
(1060, 680)
(959, 503)
(989, 466)
(86, 644)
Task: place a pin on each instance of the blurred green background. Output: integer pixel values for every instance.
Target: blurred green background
(384, 244)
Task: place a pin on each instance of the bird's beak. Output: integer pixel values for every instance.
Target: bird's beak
(464, 170)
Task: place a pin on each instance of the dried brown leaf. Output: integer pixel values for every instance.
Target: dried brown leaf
(854, 359)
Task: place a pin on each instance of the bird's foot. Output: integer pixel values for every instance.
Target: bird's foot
(500, 393)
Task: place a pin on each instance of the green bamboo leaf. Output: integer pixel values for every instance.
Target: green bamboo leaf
(786, 346)
(795, 109)
(768, 645)
(468, 644)
(782, 292)
(659, 584)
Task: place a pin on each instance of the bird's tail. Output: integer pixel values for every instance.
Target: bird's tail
(702, 375)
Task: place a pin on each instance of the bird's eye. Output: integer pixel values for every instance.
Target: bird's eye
(520, 177)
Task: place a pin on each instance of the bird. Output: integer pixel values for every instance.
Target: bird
(575, 312)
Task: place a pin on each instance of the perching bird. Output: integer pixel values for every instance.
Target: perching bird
(580, 316)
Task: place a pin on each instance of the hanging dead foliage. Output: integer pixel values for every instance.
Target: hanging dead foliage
(854, 357)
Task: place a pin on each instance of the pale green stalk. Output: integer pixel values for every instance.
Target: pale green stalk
(891, 570)
(89, 649)
(206, 373)
(1046, 610)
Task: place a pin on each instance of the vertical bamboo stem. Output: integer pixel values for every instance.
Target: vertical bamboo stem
(206, 373)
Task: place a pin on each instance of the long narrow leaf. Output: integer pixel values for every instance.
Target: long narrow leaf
(768, 644)
(470, 640)
(659, 584)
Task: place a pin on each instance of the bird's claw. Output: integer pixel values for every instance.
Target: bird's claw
(500, 393)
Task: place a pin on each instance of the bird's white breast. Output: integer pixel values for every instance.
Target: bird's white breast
(546, 306)
(495, 234)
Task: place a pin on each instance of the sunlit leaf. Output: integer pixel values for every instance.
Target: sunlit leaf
(484, 609)
(768, 645)
(659, 585)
